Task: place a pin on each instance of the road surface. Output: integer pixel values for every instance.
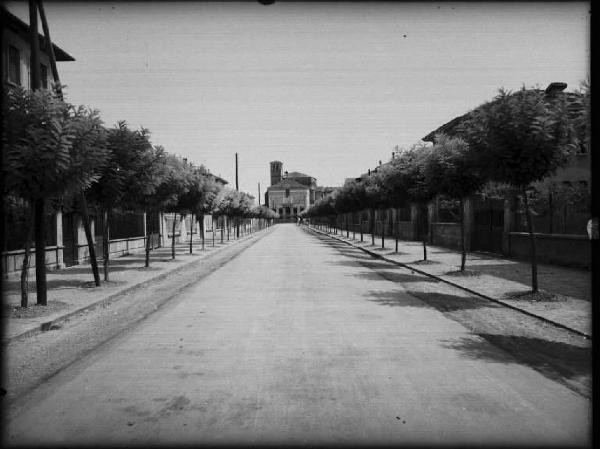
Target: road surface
(290, 343)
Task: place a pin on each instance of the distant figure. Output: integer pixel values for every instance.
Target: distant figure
(298, 222)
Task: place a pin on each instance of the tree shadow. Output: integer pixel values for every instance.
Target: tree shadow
(556, 360)
(465, 273)
(397, 298)
(574, 284)
(52, 284)
(424, 262)
(442, 302)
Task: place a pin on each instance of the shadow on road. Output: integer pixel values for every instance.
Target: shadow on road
(405, 298)
(556, 360)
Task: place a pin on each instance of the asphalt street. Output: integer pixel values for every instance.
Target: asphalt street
(285, 344)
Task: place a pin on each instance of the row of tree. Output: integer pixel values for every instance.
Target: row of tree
(511, 142)
(59, 155)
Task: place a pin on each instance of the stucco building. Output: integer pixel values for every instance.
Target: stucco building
(292, 192)
(16, 53)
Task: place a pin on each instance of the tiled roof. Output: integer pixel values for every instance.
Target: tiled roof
(296, 174)
(288, 184)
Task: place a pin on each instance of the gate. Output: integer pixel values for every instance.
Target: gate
(488, 225)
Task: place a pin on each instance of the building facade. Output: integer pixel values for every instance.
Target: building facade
(16, 53)
(291, 193)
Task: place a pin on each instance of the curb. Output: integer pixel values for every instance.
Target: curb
(497, 301)
(46, 326)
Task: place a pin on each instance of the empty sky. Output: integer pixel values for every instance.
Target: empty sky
(327, 88)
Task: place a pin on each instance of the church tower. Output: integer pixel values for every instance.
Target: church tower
(276, 167)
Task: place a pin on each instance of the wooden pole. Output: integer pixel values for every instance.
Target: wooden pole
(50, 48)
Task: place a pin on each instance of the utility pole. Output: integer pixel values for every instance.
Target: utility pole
(237, 188)
(259, 200)
(83, 203)
(39, 222)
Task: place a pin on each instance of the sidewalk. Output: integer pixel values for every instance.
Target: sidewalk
(71, 290)
(495, 278)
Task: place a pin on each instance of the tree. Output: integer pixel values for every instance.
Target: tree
(394, 190)
(89, 140)
(451, 169)
(521, 138)
(407, 172)
(47, 155)
(200, 198)
(124, 178)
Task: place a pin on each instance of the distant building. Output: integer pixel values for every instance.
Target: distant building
(292, 192)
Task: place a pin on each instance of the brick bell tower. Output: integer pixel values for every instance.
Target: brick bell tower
(276, 167)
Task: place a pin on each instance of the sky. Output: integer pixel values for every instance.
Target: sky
(329, 89)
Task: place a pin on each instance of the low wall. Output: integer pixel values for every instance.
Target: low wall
(121, 247)
(560, 249)
(446, 234)
(12, 261)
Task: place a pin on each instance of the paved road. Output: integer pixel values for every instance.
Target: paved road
(287, 343)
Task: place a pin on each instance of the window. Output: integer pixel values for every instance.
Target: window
(44, 76)
(287, 193)
(14, 65)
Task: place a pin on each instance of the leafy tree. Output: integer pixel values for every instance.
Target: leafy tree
(394, 191)
(375, 198)
(89, 140)
(46, 157)
(407, 173)
(124, 177)
(199, 198)
(176, 183)
(521, 138)
(451, 169)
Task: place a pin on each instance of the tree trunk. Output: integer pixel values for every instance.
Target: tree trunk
(89, 238)
(372, 226)
(534, 279)
(148, 236)
(202, 229)
(173, 236)
(106, 244)
(40, 253)
(191, 231)
(396, 229)
(382, 233)
(24, 268)
(463, 258)
(360, 224)
(347, 227)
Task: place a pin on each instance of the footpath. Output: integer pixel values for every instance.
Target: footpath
(72, 290)
(565, 297)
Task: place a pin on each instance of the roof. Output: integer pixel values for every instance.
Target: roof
(296, 174)
(453, 126)
(17, 26)
(218, 179)
(287, 183)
